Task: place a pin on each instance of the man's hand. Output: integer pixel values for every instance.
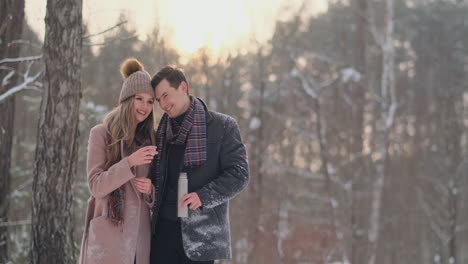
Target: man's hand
(190, 200)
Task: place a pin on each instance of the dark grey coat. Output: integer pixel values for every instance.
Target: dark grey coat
(206, 232)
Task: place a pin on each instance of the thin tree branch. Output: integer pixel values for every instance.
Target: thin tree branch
(23, 185)
(25, 42)
(107, 30)
(21, 59)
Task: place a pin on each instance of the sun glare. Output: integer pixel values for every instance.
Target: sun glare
(207, 23)
(218, 26)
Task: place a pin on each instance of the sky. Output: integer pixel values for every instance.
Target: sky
(220, 25)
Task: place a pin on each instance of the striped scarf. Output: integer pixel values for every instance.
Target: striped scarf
(192, 132)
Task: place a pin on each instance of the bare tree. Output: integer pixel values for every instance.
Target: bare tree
(11, 23)
(314, 90)
(56, 151)
(388, 106)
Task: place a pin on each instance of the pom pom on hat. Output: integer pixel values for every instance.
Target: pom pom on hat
(130, 66)
(136, 80)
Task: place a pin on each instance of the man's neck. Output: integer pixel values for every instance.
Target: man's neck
(187, 104)
(180, 118)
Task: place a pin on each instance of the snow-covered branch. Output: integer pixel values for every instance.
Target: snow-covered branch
(308, 88)
(6, 79)
(21, 87)
(311, 87)
(29, 83)
(345, 185)
(21, 59)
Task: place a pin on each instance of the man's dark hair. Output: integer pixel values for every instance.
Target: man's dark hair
(173, 75)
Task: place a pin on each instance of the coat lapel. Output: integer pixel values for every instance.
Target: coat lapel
(124, 154)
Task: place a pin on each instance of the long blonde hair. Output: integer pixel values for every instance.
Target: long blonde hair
(122, 126)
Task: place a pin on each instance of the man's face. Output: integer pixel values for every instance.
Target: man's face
(172, 101)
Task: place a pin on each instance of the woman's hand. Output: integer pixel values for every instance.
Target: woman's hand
(142, 156)
(143, 185)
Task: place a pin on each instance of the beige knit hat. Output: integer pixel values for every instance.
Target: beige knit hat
(136, 80)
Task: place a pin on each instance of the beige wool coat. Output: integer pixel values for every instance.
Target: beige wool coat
(103, 242)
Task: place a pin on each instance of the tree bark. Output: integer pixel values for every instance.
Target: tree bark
(56, 152)
(11, 25)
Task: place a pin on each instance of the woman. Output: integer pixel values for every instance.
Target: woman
(117, 228)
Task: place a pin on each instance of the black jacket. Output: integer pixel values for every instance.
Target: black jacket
(206, 232)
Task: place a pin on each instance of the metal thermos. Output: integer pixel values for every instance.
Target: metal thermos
(182, 189)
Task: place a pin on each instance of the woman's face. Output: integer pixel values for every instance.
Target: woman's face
(142, 106)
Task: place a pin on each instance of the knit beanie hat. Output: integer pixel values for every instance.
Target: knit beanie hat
(136, 80)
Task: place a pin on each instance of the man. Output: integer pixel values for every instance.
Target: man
(208, 147)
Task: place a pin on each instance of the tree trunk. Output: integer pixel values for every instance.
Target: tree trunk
(388, 109)
(56, 153)
(11, 25)
(256, 185)
(360, 63)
